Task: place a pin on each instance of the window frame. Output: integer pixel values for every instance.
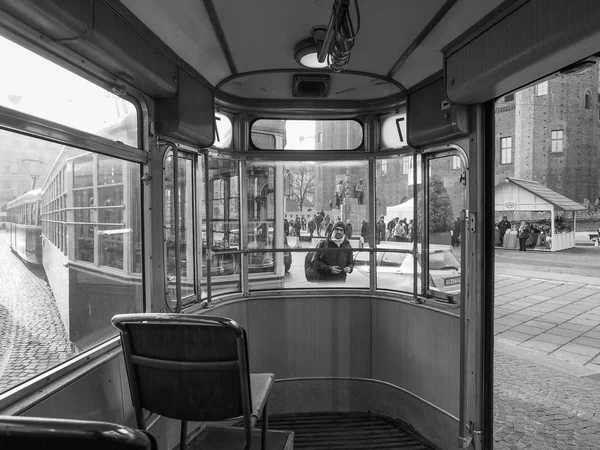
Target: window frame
(506, 150)
(558, 141)
(541, 88)
(253, 147)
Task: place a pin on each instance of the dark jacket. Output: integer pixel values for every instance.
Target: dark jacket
(503, 225)
(323, 260)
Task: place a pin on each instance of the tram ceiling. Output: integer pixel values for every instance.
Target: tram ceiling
(249, 50)
(250, 44)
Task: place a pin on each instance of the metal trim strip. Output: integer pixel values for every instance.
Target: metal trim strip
(26, 124)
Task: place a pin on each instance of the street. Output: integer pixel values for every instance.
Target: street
(547, 346)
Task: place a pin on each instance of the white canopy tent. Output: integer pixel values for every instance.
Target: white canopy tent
(403, 211)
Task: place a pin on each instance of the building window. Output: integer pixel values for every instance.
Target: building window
(557, 141)
(384, 167)
(406, 164)
(320, 137)
(588, 101)
(456, 163)
(509, 98)
(506, 150)
(542, 88)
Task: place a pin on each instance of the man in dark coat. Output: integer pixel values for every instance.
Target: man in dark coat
(311, 227)
(503, 225)
(319, 222)
(334, 265)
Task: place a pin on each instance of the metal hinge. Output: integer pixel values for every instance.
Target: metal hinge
(475, 438)
(471, 216)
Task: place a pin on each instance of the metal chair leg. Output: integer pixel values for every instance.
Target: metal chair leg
(265, 426)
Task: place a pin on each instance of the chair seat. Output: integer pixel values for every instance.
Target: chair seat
(227, 438)
(260, 386)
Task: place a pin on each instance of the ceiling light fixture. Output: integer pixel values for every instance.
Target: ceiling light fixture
(330, 46)
(307, 50)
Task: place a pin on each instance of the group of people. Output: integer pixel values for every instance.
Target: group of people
(399, 230)
(321, 223)
(523, 232)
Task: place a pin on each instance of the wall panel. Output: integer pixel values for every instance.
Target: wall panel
(417, 349)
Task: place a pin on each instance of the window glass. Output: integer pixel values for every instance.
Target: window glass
(556, 141)
(222, 251)
(447, 198)
(36, 86)
(542, 88)
(270, 134)
(77, 263)
(506, 150)
(317, 195)
(179, 228)
(394, 226)
(393, 130)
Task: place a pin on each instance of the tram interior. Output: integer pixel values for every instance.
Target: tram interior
(172, 184)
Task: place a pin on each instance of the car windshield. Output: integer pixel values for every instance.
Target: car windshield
(443, 261)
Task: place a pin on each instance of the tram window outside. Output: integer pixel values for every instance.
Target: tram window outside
(75, 264)
(36, 86)
(271, 134)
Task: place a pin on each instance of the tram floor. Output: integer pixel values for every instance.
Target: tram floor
(348, 431)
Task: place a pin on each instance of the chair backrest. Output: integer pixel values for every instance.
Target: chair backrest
(59, 434)
(186, 367)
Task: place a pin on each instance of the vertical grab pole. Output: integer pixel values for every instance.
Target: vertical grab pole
(464, 437)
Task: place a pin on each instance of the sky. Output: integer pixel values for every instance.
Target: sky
(34, 85)
(300, 134)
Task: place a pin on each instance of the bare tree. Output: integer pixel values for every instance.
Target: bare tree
(303, 185)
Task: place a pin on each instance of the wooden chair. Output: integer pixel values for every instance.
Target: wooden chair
(192, 368)
(18, 432)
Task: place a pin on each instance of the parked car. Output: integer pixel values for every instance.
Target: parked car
(261, 261)
(395, 268)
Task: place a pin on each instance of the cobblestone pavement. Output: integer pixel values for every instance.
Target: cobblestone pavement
(32, 336)
(539, 407)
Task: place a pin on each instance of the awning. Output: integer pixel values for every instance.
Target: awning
(507, 199)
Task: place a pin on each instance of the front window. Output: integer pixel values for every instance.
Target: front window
(270, 134)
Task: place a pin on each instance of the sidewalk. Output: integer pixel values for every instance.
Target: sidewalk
(550, 313)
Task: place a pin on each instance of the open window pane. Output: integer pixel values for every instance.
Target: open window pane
(269, 134)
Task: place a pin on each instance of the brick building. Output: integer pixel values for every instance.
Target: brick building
(550, 133)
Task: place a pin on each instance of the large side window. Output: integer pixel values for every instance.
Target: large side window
(73, 223)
